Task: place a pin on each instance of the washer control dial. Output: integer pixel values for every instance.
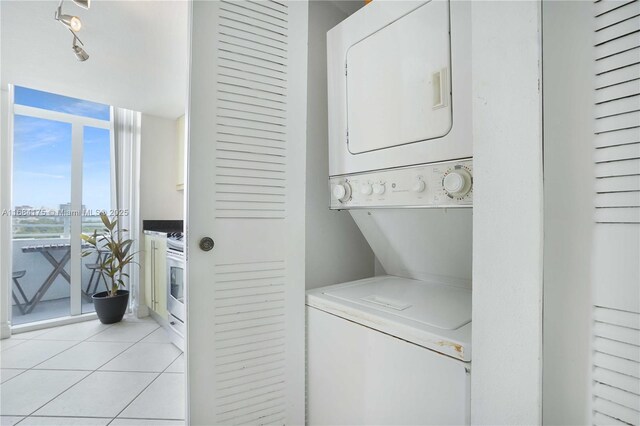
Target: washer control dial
(378, 188)
(341, 191)
(419, 186)
(457, 183)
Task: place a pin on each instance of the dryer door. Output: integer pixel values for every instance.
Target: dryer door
(398, 82)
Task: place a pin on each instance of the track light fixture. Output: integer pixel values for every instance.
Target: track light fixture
(80, 53)
(74, 24)
(85, 4)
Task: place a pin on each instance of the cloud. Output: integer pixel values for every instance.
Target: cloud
(32, 133)
(83, 108)
(39, 174)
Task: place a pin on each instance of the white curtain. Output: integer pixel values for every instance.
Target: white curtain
(125, 167)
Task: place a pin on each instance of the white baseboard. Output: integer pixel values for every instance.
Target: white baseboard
(5, 330)
(55, 322)
(141, 311)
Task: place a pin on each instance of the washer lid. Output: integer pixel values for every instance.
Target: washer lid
(432, 304)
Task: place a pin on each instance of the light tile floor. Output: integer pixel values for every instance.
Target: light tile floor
(126, 374)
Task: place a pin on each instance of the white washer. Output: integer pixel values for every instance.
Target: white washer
(389, 350)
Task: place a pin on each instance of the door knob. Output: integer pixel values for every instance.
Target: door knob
(206, 244)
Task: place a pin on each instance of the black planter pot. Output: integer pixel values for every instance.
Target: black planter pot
(111, 309)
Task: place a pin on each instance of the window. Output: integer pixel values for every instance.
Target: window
(61, 182)
(42, 165)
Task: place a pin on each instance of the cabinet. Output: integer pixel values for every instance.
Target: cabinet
(155, 273)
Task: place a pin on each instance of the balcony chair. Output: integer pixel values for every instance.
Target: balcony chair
(22, 306)
(95, 272)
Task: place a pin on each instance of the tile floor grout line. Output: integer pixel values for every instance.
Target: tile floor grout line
(57, 416)
(136, 397)
(19, 374)
(82, 379)
(88, 375)
(61, 340)
(94, 417)
(73, 346)
(105, 371)
(71, 369)
(17, 344)
(54, 355)
(91, 372)
(109, 326)
(57, 395)
(128, 347)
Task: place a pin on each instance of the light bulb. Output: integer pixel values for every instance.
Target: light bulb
(76, 23)
(72, 22)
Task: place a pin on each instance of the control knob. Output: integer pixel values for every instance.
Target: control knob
(419, 186)
(341, 191)
(378, 188)
(457, 183)
(366, 189)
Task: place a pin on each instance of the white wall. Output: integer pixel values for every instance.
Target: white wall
(5, 221)
(507, 214)
(568, 222)
(336, 251)
(423, 244)
(159, 198)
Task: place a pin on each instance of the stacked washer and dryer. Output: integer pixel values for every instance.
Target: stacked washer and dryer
(396, 348)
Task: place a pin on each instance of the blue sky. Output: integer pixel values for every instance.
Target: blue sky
(42, 153)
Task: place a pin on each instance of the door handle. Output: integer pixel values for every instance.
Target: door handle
(206, 244)
(440, 88)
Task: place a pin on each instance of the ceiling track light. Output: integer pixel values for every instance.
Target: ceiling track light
(80, 53)
(85, 4)
(74, 24)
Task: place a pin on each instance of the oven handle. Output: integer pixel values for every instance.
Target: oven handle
(175, 257)
(153, 274)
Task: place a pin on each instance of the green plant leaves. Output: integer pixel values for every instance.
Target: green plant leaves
(114, 250)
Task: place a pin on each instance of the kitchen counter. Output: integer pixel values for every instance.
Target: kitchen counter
(162, 226)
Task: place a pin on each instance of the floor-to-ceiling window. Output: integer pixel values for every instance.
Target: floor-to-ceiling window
(62, 180)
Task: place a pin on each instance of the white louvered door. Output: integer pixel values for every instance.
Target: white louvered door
(247, 131)
(616, 257)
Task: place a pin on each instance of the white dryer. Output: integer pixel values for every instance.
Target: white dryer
(399, 86)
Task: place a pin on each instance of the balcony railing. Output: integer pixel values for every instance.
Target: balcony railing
(54, 227)
(56, 300)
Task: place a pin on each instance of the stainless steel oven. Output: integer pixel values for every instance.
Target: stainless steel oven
(176, 287)
(176, 284)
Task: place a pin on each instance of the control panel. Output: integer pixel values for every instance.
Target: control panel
(448, 184)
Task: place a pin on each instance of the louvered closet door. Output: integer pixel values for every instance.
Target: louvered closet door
(245, 299)
(616, 260)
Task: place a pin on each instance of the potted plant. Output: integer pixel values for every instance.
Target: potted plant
(116, 255)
